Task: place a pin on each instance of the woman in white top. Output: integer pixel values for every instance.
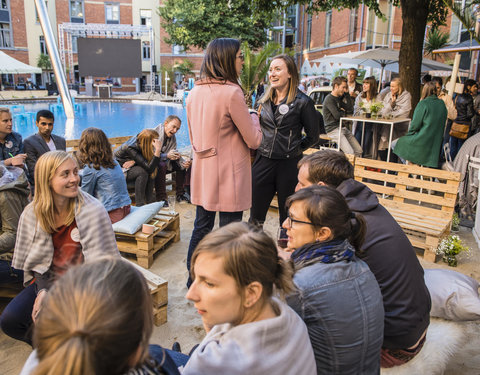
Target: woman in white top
(362, 104)
(248, 330)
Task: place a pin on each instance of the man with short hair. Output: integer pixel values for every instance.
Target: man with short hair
(354, 88)
(43, 141)
(11, 145)
(386, 250)
(336, 105)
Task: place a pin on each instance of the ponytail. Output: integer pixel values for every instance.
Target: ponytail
(358, 229)
(283, 278)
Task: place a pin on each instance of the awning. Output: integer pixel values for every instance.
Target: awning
(465, 46)
(9, 65)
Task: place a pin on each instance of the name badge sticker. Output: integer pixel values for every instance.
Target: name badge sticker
(75, 235)
(9, 144)
(283, 109)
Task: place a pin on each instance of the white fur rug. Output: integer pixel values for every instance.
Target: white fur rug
(444, 339)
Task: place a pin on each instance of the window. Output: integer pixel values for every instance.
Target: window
(328, 28)
(145, 17)
(74, 44)
(456, 27)
(37, 20)
(146, 50)
(178, 50)
(309, 30)
(352, 31)
(43, 47)
(76, 11)
(4, 11)
(5, 36)
(112, 13)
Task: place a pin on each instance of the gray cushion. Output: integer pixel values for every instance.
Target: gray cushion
(131, 223)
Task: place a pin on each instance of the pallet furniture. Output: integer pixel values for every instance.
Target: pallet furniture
(159, 291)
(144, 246)
(421, 199)
(72, 144)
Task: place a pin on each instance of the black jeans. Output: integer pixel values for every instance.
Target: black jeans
(204, 221)
(160, 186)
(143, 185)
(270, 176)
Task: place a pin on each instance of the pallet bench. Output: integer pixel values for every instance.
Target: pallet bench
(144, 246)
(159, 291)
(421, 199)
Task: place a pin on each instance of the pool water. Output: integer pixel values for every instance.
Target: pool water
(114, 118)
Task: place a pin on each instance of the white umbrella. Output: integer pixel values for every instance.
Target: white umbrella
(382, 58)
(9, 65)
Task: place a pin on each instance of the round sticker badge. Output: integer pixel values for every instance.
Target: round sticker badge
(75, 235)
(9, 144)
(283, 109)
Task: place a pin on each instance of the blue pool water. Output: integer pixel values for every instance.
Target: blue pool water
(114, 118)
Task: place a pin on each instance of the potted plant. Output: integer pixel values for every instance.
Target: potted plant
(375, 107)
(455, 223)
(449, 248)
(366, 107)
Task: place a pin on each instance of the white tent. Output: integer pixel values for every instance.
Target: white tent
(9, 65)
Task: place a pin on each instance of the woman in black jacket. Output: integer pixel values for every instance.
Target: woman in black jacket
(284, 113)
(140, 156)
(465, 112)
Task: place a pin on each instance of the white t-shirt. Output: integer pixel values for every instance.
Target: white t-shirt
(51, 145)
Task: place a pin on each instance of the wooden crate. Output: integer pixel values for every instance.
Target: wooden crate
(144, 246)
(159, 291)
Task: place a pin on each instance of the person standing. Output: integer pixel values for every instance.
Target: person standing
(285, 113)
(221, 132)
(43, 141)
(354, 88)
(364, 100)
(465, 113)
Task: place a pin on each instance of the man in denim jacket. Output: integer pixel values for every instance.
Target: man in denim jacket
(388, 253)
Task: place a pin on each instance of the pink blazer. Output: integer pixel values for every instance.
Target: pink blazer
(221, 132)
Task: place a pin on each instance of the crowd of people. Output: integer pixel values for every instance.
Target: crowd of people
(346, 296)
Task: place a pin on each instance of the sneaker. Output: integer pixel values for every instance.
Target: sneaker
(183, 198)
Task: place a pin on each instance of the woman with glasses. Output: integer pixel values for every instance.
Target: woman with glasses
(221, 132)
(337, 295)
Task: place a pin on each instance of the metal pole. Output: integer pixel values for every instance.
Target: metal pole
(284, 32)
(55, 58)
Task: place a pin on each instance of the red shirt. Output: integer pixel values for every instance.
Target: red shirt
(67, 250)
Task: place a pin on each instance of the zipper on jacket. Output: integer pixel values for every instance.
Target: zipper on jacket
(289, 139)
(273, 143)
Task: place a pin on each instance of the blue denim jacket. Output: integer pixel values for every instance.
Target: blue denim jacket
(13, 145)
(108, 185)
(342, 307)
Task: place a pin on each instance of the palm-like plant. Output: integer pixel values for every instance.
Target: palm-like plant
(255, 67)
(43, 61)
(435, 39)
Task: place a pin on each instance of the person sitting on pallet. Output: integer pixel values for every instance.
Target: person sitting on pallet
(171, 161)
(14, 192)
(388, 253)
(11, 144)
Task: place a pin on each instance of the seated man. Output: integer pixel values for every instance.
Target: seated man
(14, 193)
(171, 160)
(11, 145)
(38, 144)
(388, 253)
(339, 104)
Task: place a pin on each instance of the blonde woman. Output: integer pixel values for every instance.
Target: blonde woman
(141, 156)
(62, 227)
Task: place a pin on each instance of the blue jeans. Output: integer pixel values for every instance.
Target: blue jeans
(169, 359)
(455, 146)
(367, 136)
(204, 221)
(16, 319)
(9, 275)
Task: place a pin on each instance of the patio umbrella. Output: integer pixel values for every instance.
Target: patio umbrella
(9, 65)
(381, 58)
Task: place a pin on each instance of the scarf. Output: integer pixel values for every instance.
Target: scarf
(326, 252)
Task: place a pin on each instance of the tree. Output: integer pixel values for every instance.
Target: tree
(185, 67)
(435, 39)
(43, 61)
(466, 15)
(196, 22)
(415, 15)
(255, 67)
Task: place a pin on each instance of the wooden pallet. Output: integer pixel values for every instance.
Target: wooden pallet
(159, 291)
(144, 246)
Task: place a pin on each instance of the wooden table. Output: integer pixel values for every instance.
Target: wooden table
(382, 121)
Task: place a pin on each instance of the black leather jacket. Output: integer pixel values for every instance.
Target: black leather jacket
(464, 106)
(282, 133)
(130, 150)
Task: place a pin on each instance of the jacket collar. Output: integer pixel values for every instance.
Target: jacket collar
(212, 81)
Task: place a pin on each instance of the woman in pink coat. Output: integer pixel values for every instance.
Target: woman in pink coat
(221, 132)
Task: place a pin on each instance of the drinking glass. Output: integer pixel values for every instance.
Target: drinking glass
(282, 239)
(171, 204)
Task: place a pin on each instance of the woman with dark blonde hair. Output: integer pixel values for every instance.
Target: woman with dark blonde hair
(336, 294)
(237, 272)
(423, 142)
(221, 132)
(102, 176)
(362, 103)
(141, 156)
(97, 320)
(62, 227)
(285, 113)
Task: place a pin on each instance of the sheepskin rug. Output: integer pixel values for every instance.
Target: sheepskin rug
(444, 339)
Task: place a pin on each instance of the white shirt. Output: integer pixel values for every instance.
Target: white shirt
(51, 145)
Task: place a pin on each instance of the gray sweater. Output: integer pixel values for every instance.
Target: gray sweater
(278, 345)
(335, 107)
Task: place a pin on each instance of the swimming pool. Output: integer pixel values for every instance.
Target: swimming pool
(116, 119)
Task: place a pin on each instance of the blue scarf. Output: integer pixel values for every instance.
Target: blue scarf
(326, 252)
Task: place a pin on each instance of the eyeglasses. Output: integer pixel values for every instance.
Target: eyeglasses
(290, 221)
(241, 57)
